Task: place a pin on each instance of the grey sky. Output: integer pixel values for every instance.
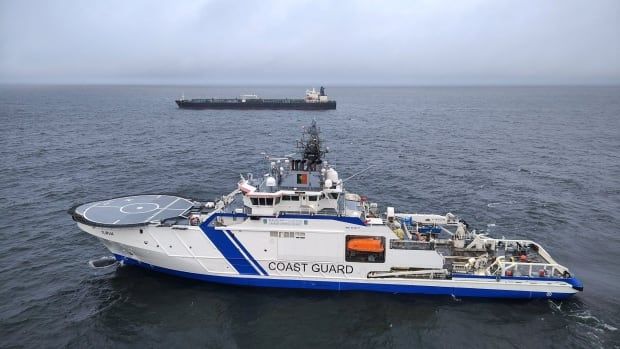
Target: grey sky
(308, 42)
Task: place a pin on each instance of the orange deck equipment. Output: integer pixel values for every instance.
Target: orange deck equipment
(365, 245)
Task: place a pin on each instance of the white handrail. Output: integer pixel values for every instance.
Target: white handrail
(505, 266)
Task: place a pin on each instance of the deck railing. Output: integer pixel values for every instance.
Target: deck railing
(524, 269)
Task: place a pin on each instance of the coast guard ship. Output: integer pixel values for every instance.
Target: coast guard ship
(297, 227)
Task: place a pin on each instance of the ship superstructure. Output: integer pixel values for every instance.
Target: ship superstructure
(297, 227)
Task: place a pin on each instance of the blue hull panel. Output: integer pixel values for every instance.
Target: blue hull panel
(349, 286)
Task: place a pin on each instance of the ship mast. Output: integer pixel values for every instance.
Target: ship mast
(311, 146)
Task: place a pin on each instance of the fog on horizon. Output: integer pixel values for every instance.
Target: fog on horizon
(420, 42)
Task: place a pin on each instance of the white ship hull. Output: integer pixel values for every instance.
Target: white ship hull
(189, 252)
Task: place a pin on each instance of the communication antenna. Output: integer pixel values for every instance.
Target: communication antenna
(358, 173)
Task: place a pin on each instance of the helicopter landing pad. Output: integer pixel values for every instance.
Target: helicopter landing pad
(132, 210)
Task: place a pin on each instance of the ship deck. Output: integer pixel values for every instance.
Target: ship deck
(131, 210)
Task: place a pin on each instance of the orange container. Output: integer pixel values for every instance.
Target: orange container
(365, 245)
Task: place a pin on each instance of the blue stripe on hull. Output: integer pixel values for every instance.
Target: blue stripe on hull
(232, 254)
(350, 286)
(232, 235)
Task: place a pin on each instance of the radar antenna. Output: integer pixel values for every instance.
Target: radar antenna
(311, 146)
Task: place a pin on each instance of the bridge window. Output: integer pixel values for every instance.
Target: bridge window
(365, 249)
(313, 198)
(264, 201)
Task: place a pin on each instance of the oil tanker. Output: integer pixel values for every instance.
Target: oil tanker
(312, 101)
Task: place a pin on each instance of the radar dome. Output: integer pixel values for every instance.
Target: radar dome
(328, 183)
(270, 182)
(332, 175)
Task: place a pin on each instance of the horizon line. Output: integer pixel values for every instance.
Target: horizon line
(363, 85)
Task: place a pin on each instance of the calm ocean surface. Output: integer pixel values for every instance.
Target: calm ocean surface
(529, 162)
